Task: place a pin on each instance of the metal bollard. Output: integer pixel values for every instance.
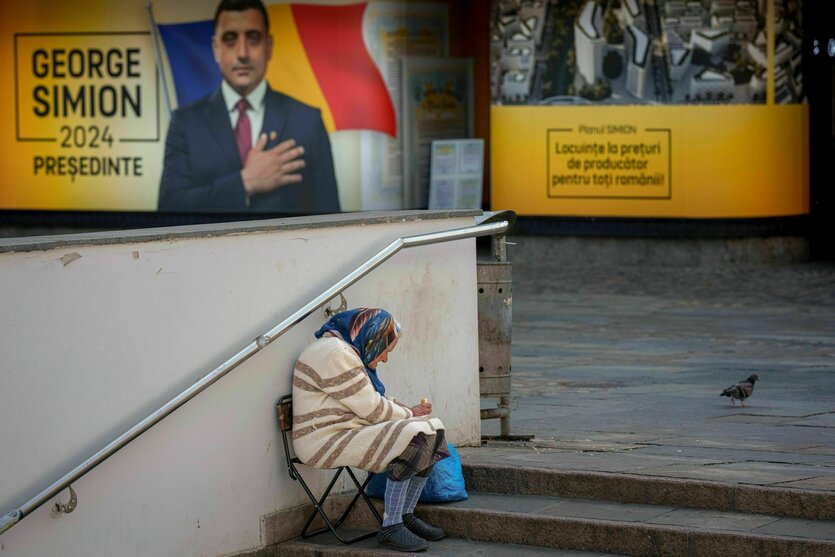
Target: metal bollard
(495, 303)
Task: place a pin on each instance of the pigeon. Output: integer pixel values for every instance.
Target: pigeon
(741, 390)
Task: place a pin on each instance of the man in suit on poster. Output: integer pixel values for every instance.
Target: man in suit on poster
(245, 147)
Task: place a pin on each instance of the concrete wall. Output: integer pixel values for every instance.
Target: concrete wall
(93, 344)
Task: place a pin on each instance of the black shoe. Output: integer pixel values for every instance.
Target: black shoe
(423, 529)
(398, 537)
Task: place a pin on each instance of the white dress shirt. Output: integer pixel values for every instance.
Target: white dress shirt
(256, 106)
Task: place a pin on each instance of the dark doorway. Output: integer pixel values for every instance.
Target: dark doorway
(819, 77)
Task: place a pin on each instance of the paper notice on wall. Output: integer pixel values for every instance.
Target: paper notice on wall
(437, 104)
(456, 175)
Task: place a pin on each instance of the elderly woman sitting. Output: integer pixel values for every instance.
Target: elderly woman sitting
(341, 417)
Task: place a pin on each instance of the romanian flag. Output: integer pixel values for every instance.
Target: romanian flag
(319, 57)
(190, 57)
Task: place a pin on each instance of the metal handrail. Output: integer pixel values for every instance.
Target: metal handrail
(494, 224)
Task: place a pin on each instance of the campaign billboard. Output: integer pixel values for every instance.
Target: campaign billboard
(649, 109)
(91, 85)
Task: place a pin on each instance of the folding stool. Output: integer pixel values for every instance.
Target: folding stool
(284, 410)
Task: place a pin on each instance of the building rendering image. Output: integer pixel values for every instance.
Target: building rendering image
(628, 51)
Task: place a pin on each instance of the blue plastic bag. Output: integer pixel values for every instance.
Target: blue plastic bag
(445, 483)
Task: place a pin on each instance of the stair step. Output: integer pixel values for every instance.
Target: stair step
(628, 528)
(328, 546)
(497, 523)
(521, 508)
(633, 488)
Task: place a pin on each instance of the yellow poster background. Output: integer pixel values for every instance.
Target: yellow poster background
(725, 161)
(91, 156)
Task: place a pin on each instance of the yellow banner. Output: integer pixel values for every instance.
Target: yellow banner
(84, 122)
(690, 161)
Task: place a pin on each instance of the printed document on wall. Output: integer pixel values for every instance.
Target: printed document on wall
(456, 176)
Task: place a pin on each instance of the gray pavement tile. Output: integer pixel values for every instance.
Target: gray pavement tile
(506, 503)
(695, 518)
(496, 451)
(746, 444)
(721, 454)
(592, 445)
(754, 473)
(329, 539)
(818, 420)
(780, 468)
(456, 547)
(594, 461)
(549, 457)
(604, 510)
(528, 551)
(818, 484)
(819, 529)
(819, 450)
(798, 337)
(626, 436)
(754, 419)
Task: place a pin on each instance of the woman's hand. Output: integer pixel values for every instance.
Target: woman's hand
(422, 409)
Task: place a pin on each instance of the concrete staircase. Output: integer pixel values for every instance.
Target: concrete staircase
(521, 511)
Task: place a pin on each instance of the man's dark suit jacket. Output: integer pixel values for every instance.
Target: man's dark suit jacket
(202, 170)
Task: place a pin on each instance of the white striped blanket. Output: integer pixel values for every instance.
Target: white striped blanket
(338, 417)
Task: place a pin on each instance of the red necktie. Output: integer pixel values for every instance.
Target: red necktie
(243, 130)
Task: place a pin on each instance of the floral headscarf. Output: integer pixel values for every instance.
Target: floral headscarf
(369, 331)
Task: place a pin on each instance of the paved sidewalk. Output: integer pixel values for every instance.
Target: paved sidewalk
(618, 368)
